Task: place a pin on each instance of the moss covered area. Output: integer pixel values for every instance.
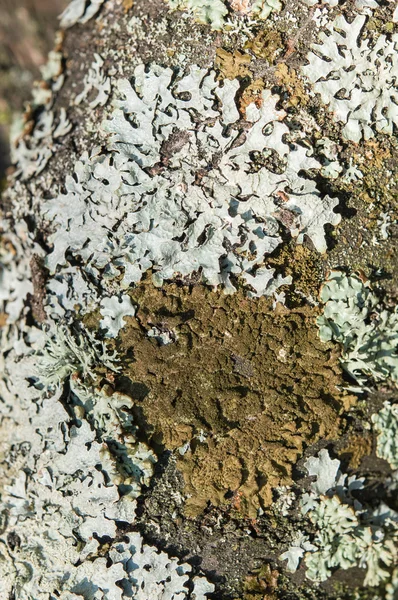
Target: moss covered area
(242, 390)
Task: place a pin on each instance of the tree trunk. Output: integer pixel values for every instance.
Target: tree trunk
(198, 290)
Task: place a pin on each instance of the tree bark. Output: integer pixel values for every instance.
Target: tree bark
(198, 294)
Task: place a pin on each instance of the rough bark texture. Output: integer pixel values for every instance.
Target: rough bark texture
(198, 296)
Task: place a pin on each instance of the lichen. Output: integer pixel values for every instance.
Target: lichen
(114, 310)
(385, 422)
(368, 344)
(31, 154)
(79, 11)
(189, 177)
(392, 586)
(186, 189)
(346, 535)
(227, 385)
(65, 353)
(205, 11)
(342, 542)
(95, 80)
(356, 79)
(15, 283)
(72, 468)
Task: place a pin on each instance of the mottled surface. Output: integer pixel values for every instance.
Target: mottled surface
(255, 382)
(242, 396)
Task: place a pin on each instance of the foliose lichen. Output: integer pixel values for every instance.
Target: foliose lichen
(113, 311)
(185, 189)
(347, 535)
(209, 396)
(369, 345)
(355, 78)
(32, 158)
(95, 81)
(197, 180)
(385, 422)
(79, 11)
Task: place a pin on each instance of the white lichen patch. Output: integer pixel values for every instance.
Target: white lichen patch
(294, 554)
(153, 574)
(79, 11)
(114, 310)
(52, 78)
(215, 12)
(15, 283)
(31, 154)
(72, 469)
(183, 189)
(331, 167)
(62, 497)
(162, 337)
(72, 466)
(325, 470)
(356, 78)
(385, 422)
(96, 85)
(369, 345)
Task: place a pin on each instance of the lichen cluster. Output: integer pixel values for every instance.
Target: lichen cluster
(386, 425)
(186, 189)
(346, 534)
(357, 80)
(368, 336)
(349, 534)
(161, 252)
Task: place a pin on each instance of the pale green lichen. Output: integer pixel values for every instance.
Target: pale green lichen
(205, 11)
(346, 535)
(263, 8)
(182, 189)
(368, 335)
(385, 422)
(214, 12)
(343, 542)
(66, 353)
